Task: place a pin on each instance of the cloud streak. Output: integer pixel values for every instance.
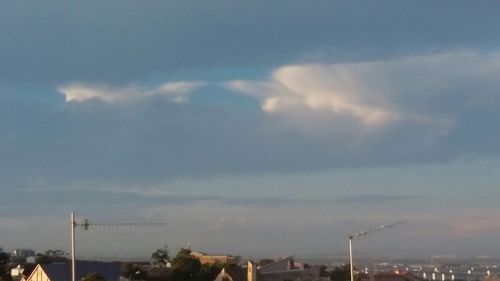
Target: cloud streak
(379, 198)
(176, 91)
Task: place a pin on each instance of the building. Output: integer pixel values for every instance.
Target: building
(205, 258)
(62, 271)
(232, 273)
(22, 253)
(284, 269)
(21, 271)
(394, 276)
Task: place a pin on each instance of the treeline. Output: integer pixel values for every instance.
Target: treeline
(182, 267)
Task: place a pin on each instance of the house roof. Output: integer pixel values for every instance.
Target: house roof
(280, 265)
(237, 273)
(62, 271)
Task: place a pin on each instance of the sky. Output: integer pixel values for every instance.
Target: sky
(258, 128)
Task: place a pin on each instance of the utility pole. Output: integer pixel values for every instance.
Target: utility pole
(363, 233)
(85, 226)
(73, 226)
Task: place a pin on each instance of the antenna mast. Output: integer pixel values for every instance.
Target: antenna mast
(85, 226)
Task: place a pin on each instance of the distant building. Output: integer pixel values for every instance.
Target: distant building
(22, 253)
(282, 270)
(394, 276)
(205, 258)
(16, 271)
(492, 278)
(22, 272)
(285, 269)
(62, 271)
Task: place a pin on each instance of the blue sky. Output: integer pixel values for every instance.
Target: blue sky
(259, 128)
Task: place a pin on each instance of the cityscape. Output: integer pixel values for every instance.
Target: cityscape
(226, 140)
(26, 264)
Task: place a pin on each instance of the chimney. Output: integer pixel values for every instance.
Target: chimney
(251, 271)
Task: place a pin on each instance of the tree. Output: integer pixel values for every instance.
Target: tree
(185, 267)
(323, 272)
(126, 269)
(55, 254)
(4, 275)
(132, 271)
(42, 259)
(160, 257)
(4, 257)
(343, 273)
(51, 256)
(93, 276)
(4, 260)
(209, 272)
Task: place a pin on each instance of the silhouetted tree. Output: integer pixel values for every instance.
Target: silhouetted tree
(51, 256)
(126, 269)
(4, 275)
(42, 259)
(185, 267)
(160, 257)
(93, 276)
(341, 273)
(4, 257)
(132, 271)
(323, 272)
(209, 272)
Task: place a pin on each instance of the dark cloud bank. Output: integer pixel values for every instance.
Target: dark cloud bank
(49, 143)
(44, 44)
(155, 141)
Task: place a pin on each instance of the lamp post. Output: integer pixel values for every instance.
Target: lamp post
(73, 226)
(351, 268)
(363, 233)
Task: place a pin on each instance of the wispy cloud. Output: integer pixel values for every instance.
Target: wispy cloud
(177, 91)
(379, 198)
(268, 201)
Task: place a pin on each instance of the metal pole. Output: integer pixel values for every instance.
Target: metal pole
(350, 258)
(73, 226)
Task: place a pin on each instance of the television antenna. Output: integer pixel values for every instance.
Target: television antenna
(85, 224)
(364, 233)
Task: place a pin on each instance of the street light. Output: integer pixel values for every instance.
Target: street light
(363, 233)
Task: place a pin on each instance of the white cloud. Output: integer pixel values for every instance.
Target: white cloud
(320, 89)
(369, 96)
(177, 91)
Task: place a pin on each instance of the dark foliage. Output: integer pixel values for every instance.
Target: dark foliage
(160, 257)
(93, 276)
